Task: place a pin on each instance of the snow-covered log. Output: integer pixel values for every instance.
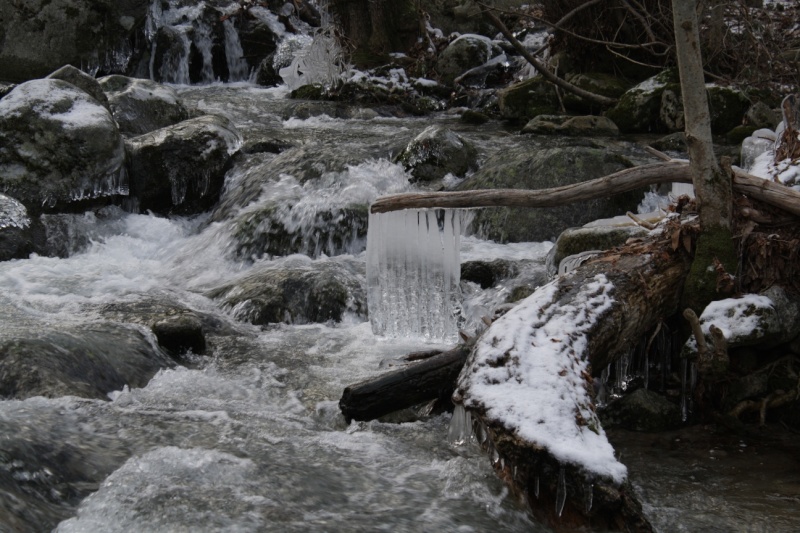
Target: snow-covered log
(528, 384)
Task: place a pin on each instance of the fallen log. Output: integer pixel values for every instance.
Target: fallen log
(528, 385)
(626, 180)
(432, 378)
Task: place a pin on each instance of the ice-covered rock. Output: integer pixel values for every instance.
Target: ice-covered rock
(58, 145)
(181, 168)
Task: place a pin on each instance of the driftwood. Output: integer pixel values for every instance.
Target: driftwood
(647, 285)
(626, 180)
(434, 377)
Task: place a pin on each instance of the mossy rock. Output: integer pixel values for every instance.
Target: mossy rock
(727, 107)
(597, 83)
(642, 410)
(312, 91)
(576, 240)
(541, 164)
(739, 134)
(524, 100)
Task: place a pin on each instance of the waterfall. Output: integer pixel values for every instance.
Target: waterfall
(414, 274)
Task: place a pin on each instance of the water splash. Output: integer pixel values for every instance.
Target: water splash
(414, 274)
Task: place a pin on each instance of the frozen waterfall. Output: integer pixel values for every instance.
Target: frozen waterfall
(414, 274)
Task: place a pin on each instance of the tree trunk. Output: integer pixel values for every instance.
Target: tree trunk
(712, 186)
(374, 28)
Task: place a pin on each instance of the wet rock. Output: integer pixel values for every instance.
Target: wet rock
(181, 169)
(296, 291)
(259, 32)
(141, 106)
(57, 146)
(540, 164)
(82, 81)
(436, 152)
(267, 232)
(727, 106)
(524, 100)
(642, 410)
(471, 116)
(674, 142)
(488, 273)
(462, 54)
(583, 126)
(181, 333)
(88, 361)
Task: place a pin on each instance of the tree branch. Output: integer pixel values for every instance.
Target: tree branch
(542, 69)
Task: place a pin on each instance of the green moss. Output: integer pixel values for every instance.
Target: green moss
(739, 134)
(312, 91)
(527, 99)
(701, 283)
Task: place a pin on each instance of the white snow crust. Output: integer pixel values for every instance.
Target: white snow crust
(526, 370)
(46, 97)
(736, 317)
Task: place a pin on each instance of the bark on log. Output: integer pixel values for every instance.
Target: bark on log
(430, 379)
(626, 180)
(646, 289)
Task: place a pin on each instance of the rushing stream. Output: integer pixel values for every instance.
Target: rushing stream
(248, 437)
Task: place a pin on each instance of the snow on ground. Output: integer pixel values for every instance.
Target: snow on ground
(526, 371)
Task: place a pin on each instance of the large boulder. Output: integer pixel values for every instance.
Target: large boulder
(524, 100)
(594, 82)
(539, 165)
(581, 126)
(39, 36)
(464, 53)
(181, 169)
(296, 291)
(141, 106)
(58, 145)
(436, 152)
(638, 109)
(89, 361)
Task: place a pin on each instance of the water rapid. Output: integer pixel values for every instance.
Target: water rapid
(248, 436)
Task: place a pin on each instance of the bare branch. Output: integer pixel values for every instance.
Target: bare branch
(543, 70)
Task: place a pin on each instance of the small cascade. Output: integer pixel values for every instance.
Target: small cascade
(195, 43)
(414, 274)
(460, 431)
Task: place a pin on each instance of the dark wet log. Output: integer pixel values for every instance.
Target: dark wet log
(432, 378)
(626, 180)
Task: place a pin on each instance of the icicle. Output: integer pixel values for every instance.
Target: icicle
(561, 491)
(460, 426)
(413, 274)
(588, 494)
(684, 406)
(536, 486)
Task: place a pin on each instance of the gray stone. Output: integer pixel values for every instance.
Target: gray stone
(522, 101)
(760, 115)
(295, 292)
(181, 169)
(141, 106)
(602, 237)
(82, 81)
(464, 53)
(58, 145)
(638, 109)
(181, 333)
(595, 82)
(436, 152)
(539, 164)
(642, 410)
(89, 361)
